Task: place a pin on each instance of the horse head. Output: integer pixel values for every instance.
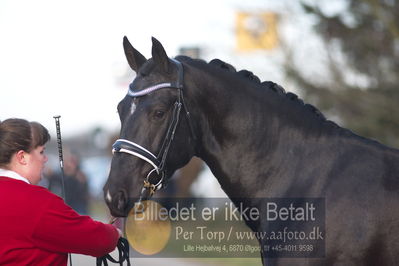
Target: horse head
(156, 136)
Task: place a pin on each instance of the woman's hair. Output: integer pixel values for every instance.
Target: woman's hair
(19, 134)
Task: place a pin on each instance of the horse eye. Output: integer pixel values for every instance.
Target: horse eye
(159, 114)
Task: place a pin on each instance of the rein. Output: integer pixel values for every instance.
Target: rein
(157, 162)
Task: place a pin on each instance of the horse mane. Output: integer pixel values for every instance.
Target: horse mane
(251, 77)
(267, 84)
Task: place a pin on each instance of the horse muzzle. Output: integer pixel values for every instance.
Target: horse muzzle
(118, 203)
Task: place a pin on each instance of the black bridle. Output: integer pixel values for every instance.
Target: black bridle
(157, 162)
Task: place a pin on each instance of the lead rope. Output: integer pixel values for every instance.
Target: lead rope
(61, 159)
(123, 252)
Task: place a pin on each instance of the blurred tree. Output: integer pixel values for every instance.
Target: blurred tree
(362, 84)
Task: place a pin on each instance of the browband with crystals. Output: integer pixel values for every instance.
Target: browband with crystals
(148, 90)
(177, 85)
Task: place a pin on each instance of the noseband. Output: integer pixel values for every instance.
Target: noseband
(157, 162)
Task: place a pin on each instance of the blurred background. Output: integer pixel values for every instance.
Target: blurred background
(66, 58)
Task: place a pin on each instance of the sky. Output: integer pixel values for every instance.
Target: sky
(66, 57)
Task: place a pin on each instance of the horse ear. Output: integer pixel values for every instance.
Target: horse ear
(134, 57)
(159, 55)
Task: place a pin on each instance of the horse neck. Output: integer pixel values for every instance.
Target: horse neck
(248, 134)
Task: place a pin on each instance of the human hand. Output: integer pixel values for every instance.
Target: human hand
(119, 232)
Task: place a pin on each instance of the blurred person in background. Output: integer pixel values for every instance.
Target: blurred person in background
(76, 184)
(37, 227)
(75, 181)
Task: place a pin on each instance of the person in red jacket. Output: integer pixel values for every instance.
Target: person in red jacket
(36, 226)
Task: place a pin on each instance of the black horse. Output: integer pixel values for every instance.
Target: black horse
(259, 141)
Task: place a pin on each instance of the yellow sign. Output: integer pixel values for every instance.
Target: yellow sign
(256, 31)
(148, 228)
